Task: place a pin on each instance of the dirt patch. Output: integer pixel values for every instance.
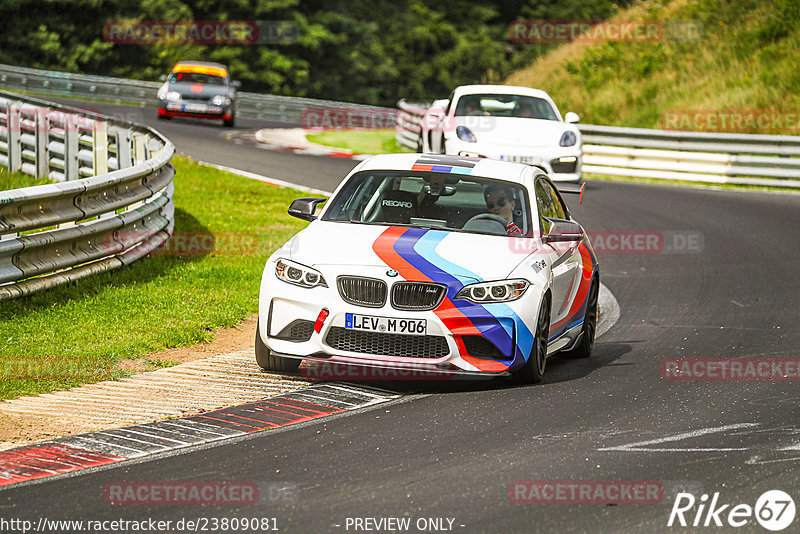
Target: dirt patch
(25, 429)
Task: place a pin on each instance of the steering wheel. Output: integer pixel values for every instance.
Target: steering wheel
(489, 217)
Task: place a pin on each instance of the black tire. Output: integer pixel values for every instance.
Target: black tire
(164, 118)
(420, 144)
(533, 370)
(229, 122)
(442, 147)
(584, 347)
(268, 361)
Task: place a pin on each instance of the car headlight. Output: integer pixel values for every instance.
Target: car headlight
(299, 275)
(489, 292)
(221, 100)
(568, 139)
(169, 95)
(465, 134)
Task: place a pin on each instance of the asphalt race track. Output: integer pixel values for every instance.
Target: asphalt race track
(723, 283)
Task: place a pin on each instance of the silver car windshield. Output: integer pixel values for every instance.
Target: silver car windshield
(196, 77)
(434, 200)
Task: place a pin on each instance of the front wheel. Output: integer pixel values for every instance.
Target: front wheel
(270, 362)
(584, 347)
(228, 123)
(533, 370)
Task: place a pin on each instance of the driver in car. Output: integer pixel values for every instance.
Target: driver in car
(499, 202)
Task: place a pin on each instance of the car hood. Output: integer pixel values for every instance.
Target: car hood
(197, 90)
(516, 131)
(436, 254)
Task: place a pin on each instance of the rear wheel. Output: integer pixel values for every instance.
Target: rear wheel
(533, 370)
(270, 362)
(584, 347)
(420, 143)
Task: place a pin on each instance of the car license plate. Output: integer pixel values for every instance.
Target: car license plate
(385, 325)
(195, 108)
(520, 159)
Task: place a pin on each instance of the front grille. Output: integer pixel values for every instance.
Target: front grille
(387, 344)
(369, 292)
(297, 330)
(480, 347)
(417, 296)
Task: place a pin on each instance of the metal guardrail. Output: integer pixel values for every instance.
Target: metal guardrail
(111, 205)
(408, 123)
(270, 107)
(724, 158)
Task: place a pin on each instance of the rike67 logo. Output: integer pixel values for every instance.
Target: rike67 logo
(774, 510)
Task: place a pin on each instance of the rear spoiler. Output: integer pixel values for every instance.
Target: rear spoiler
(572, 189)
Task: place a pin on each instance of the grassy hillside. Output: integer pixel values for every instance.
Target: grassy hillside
(744, 59)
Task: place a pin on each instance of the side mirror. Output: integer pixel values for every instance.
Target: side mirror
(236, 84)
(571, 117)
(163, 77)
(304, 208)
(562, 230)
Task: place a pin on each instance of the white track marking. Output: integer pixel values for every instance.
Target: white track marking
(265, 179)
(636, 447)
(609, 310)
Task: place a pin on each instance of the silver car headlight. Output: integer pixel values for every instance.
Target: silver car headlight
(465, 134)
(568, 139)
(489, 292)
(299, 275)
(221, 100)
(169, 95)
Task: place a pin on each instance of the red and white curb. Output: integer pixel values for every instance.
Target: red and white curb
(74, 453)
(290, 140)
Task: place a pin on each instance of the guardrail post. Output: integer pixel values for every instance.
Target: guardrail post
(4, 138)
(14, 144)
(42, 140)
(100, 147)
(139, 154)
(71, 147)
(124, 157)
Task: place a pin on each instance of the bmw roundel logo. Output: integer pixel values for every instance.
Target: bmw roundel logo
(391, 272)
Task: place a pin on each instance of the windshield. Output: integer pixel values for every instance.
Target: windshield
(463, 203)
(498, 105)
(196, 77)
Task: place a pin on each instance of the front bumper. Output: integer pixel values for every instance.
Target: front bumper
(453, 350)
(179, 109)
(562, 164)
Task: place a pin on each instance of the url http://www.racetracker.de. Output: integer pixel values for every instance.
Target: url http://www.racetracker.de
(198, 524)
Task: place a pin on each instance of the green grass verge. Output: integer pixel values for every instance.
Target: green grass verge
(77, 98)
(379, 141)
(79, 332)
(15, 180)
